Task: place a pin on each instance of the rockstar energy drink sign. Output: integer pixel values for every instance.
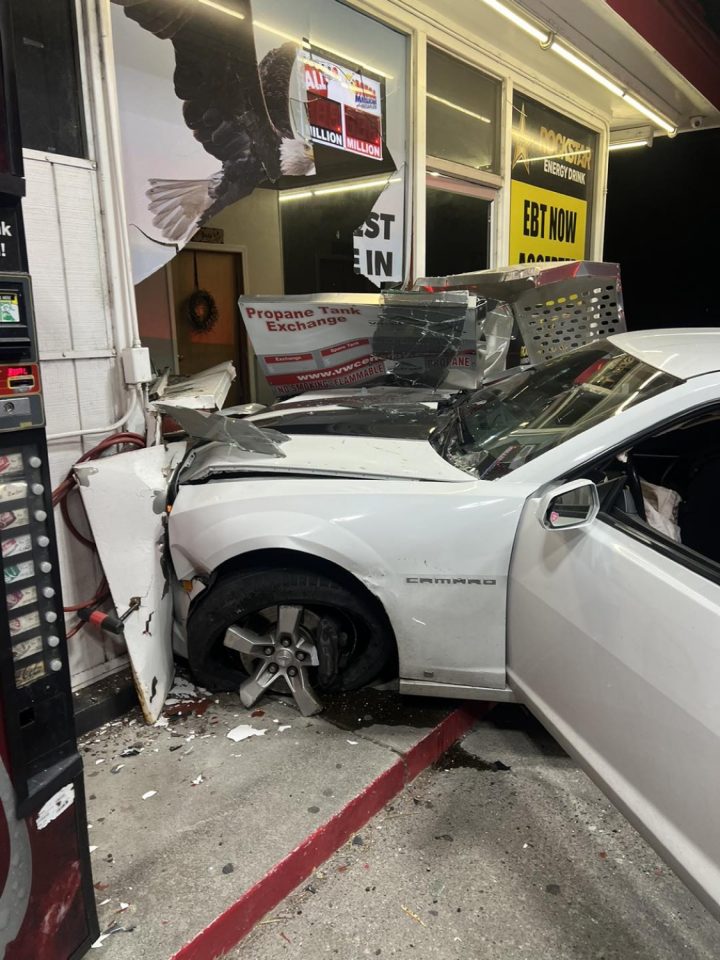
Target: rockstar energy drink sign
(553, 164)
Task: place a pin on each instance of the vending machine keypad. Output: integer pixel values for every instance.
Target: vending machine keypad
(27, 565)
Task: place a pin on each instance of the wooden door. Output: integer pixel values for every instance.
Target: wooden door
(219, 274)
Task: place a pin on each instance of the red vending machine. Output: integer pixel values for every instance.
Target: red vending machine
(47, 904)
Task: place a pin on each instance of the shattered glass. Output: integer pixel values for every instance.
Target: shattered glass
(227, 430)
(423, 335)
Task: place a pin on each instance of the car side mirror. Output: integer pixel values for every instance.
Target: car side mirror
(572, 505)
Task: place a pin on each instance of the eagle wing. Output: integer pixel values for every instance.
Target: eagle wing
(217, 78)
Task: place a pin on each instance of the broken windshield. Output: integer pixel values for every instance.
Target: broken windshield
(512, 421)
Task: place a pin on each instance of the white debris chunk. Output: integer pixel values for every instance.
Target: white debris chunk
(284, 726)
(56, 805)
(161, 722)
(353, 743)
(93, 848)
(198, 779)
(124, 906)
(99, 761)
(150, 793)
(243, 731)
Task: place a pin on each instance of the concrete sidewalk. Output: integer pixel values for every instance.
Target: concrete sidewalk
(183, 820)
(504, 851)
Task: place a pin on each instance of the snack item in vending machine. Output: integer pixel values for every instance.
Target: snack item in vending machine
(7, 519)
(13, 490)
(29, 621)
(19, 571)
(16, 545)
(27, 648)
(11, 463)
(13, 518)
(24, 676)
(21, 598)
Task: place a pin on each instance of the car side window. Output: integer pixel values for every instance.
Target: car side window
(666, 489)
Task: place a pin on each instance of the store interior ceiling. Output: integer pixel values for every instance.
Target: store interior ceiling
(596, 31)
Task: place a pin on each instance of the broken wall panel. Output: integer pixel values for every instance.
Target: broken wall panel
(124, 497)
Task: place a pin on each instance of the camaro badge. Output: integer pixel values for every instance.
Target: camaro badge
(453, 581)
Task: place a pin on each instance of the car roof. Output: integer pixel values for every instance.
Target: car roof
(683, 352)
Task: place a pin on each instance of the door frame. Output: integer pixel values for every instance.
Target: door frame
(246, 369)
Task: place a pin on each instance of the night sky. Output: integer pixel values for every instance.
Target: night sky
(662, 223)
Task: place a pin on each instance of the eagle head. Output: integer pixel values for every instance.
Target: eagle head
(297, 158)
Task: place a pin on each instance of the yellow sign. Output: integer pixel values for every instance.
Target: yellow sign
(545, 225)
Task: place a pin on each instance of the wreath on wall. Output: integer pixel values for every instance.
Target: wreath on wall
(202, 311)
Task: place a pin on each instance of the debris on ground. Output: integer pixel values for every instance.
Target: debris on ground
(113, 928)
(148, 794)
(186, 698)
(243, 731)
(198, 779)
(413, 916)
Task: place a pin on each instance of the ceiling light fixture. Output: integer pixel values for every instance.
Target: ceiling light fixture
(546, 38)
(223, 9)
(456, 106)
(629, 144)
(542, 36)
(587, 69)
(345, 188)
(650, 114)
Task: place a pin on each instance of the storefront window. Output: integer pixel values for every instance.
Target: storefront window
(48, 78)
(457, 228)
(320, 246)
(315, 106)
(343, 229)
(462, 113)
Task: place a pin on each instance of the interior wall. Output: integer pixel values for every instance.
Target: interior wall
(155, 320)
(254, 223)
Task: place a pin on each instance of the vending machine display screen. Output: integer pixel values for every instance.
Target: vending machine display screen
(16, 344)
(9, 307)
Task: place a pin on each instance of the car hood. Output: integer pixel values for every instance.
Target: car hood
(403, 414)
(323, 455)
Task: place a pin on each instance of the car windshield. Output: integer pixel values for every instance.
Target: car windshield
(515, 419)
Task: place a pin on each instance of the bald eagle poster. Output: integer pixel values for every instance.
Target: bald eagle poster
(206, 117)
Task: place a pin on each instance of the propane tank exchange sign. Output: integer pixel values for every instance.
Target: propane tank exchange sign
(553, 169)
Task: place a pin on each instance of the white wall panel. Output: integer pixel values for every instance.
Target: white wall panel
(82, 254)
(42, 228)
(65, 252)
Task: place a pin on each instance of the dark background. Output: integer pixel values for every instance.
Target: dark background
(662, 220)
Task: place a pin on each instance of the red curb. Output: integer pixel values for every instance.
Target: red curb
(237, 921)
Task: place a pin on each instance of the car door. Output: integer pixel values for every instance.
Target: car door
(614, 642)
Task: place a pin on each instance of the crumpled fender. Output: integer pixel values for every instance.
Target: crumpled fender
(204, 537)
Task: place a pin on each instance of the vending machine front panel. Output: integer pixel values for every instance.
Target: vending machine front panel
(47, 904)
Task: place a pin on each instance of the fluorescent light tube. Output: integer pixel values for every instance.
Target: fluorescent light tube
(650, 114)
(542, 36)
(587, 69)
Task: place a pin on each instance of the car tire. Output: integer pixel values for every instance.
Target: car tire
(239, 597)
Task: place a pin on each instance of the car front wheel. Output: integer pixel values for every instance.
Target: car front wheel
(285, 629)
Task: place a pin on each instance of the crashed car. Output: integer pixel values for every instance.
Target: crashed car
(549, 538)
